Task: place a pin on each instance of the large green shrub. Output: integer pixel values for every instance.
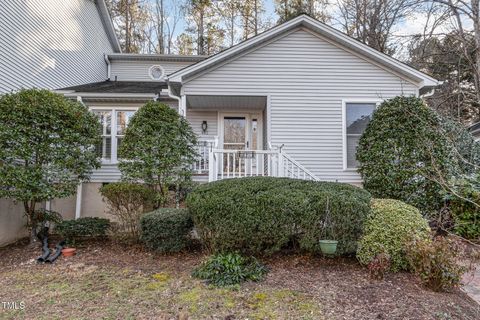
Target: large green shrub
(465, 208)
(158, 148)
(389, 227)
(166, 229)
(73, 230)
(264, 214)
(229, 269)
(127, 202)
(402, 153)
(47, 147)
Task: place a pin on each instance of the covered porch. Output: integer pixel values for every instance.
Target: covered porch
(234, 141)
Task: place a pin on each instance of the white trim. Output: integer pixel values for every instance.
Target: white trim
(72, 94)
(78, 202)
(344, 125)
(323, 29)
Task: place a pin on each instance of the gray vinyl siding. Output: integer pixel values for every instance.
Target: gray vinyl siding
(306, 78)
(197, 117)
(51, 44)
(128, 70)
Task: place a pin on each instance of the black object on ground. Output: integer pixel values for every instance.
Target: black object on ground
(58, 252)
(45, 251)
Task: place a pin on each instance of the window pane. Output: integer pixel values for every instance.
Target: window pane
(234, 131)
(105, 118)
(123, 118)
(358, 116)
(352, 143)
(104, 149)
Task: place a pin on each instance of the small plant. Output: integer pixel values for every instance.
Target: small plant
(229, 269)
(166, 229)
(437, 262)
(388, 228)
(127, 202)
(379, 266)
(73, 230)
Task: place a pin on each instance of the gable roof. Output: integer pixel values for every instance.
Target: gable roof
(108, 25)
(322, 29)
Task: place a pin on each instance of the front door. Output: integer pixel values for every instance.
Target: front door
(240, 132)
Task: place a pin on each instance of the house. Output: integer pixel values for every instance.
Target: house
(50, 44)
(292, 101)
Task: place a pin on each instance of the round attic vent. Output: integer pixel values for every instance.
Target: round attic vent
(156, 72)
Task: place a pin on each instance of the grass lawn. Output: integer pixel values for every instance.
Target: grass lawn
(110, 281)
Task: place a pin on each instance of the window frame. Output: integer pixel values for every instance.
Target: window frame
(376, 102)
(113, 131)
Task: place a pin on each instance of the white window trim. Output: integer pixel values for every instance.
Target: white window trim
(377, 102)
(113, 131)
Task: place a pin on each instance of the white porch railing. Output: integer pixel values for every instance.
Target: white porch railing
(229, 163)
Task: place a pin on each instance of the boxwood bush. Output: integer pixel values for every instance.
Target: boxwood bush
(166, 230)
(73, 230)
(264, 214)
(390, 226)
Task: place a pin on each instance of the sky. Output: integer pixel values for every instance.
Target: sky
(413, 24)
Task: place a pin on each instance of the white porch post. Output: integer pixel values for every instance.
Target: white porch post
(78, 204)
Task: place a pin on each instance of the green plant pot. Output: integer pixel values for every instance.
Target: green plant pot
(328, 247)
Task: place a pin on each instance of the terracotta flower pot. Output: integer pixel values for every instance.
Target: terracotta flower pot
(68, 252)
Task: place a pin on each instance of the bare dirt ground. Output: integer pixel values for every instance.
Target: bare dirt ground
(112, 281)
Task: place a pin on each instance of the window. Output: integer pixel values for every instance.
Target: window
(104, 149)
(112, 131)
(357, 116)
(123, 118)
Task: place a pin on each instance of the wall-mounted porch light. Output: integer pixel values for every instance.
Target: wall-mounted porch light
(204, 127)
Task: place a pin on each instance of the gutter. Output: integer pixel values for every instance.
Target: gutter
(181, 109)
(109, 66)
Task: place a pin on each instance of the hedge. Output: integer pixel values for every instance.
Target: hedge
(264, 214)
(73, 230)
(166, 229)
(388, 229)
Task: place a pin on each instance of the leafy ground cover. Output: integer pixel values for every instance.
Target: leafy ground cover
(110, 281)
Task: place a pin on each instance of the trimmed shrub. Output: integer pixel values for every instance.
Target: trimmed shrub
(158, 149)
(389, 227)
(127, 202)
(73, 230)
(437, 262)
(166, 229)
(229, 269)
(403, 146)
(264, 214)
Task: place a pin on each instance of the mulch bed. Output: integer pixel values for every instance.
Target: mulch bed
(340, 287)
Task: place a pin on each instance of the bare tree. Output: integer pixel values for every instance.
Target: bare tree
(372, 21)
(464, 13)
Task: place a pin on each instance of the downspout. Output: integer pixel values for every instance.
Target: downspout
(179, 99)
(109, 66)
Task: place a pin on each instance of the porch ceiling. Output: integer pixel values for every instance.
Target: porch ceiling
(219, 102)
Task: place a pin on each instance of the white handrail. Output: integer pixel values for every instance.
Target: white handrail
(233, 163)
